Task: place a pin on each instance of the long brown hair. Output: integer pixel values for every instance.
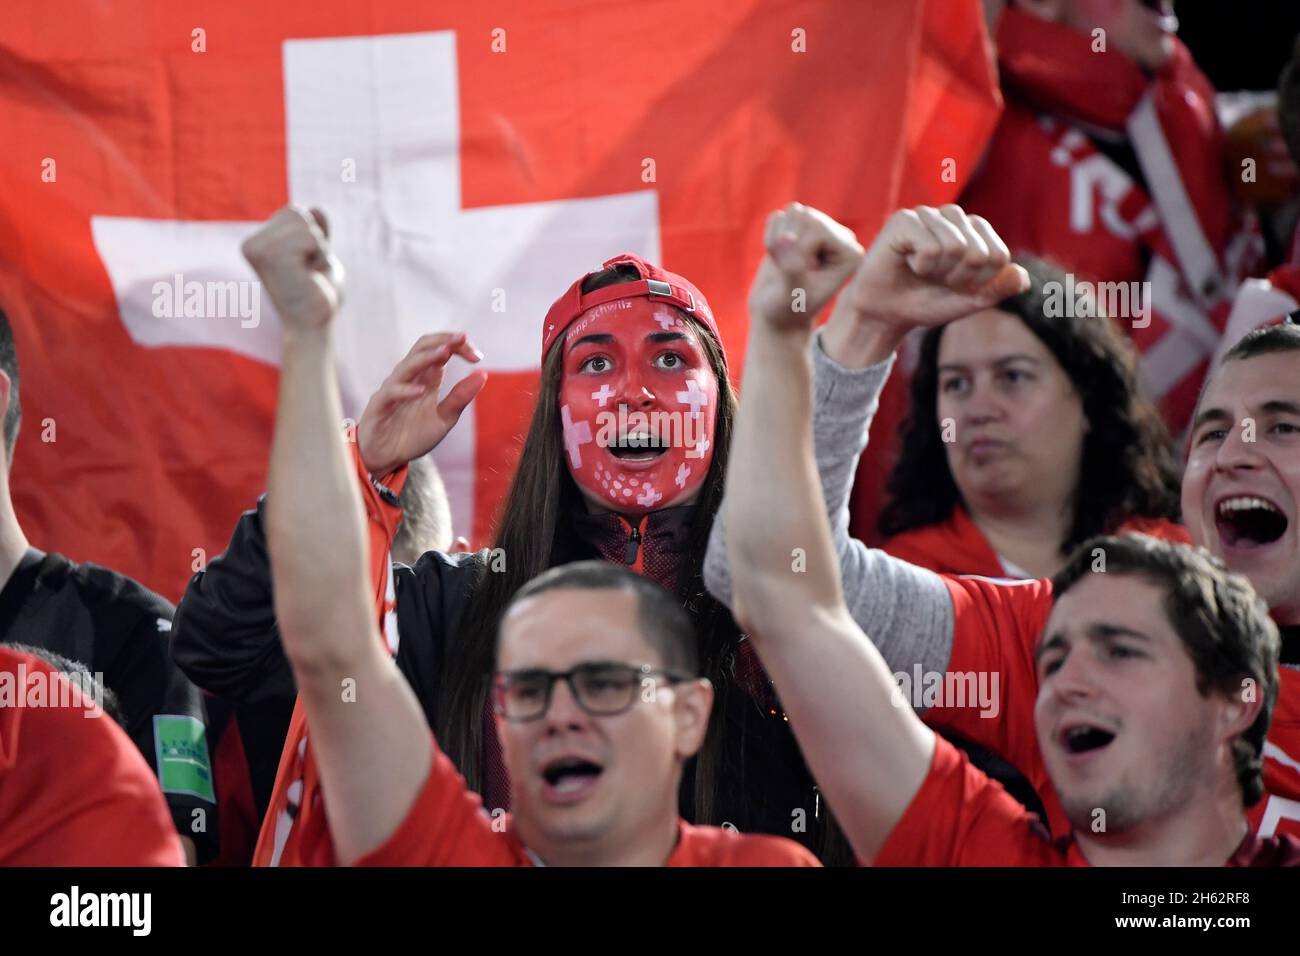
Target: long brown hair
(1127, 468)
(534, 533)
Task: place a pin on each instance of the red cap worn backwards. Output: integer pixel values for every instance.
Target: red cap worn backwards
(658, 284)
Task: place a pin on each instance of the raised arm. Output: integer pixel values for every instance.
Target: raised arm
(869, 755)
(370, 739)
(906, 610)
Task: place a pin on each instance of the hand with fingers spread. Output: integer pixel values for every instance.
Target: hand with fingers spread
(930, 266)
(404, 419)
(809, 256)
(292, 258)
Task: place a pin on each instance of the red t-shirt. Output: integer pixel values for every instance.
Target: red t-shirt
(957, 545)
(960, 817)
(447, 826)
(996, 628)
(1279, 810)
(74, 789)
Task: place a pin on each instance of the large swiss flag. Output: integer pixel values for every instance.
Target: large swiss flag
(474, 159)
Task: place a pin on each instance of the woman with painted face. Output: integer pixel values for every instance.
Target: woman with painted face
(624, 460)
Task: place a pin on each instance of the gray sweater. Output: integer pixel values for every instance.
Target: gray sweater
(905, 610)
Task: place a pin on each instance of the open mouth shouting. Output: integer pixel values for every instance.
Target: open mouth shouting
(569, 779)
(1081, 740)
(638, 446)
(1245, 522)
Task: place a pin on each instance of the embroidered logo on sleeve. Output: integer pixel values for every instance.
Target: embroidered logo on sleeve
(182, 749)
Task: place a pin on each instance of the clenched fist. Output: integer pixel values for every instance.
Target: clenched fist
(291, 256)
(930, 266)
(809, 256)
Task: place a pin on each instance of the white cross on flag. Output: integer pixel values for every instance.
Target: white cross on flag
(473, 163)
(417, 262)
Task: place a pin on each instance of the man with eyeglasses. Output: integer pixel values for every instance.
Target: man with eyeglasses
(598, 702)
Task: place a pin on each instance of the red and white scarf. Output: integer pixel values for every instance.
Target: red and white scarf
(295, 819)
(1181, 223)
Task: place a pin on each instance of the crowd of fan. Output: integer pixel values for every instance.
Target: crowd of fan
(670, 636)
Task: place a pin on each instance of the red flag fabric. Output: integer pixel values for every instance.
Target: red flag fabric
(474, 160)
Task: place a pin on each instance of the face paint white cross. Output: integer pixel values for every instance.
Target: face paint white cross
(373, 138)
(683, 472)
(603, 394)
(699, 450)
(648, 497)
(575, 436)
(694, 397)
(665, 321)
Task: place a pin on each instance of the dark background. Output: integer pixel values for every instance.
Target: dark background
(1239, 44)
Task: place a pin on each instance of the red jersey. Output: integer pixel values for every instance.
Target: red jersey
(1279, 810)
(447, 826)
(996, 627)
(74, 789)
(958, 546)
(959, 817)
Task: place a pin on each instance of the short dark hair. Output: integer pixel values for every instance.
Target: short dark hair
(9, 365)
(1266, 340)
(1223, 624)
(665, 624)
(1127, 468)
(1284, 337)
